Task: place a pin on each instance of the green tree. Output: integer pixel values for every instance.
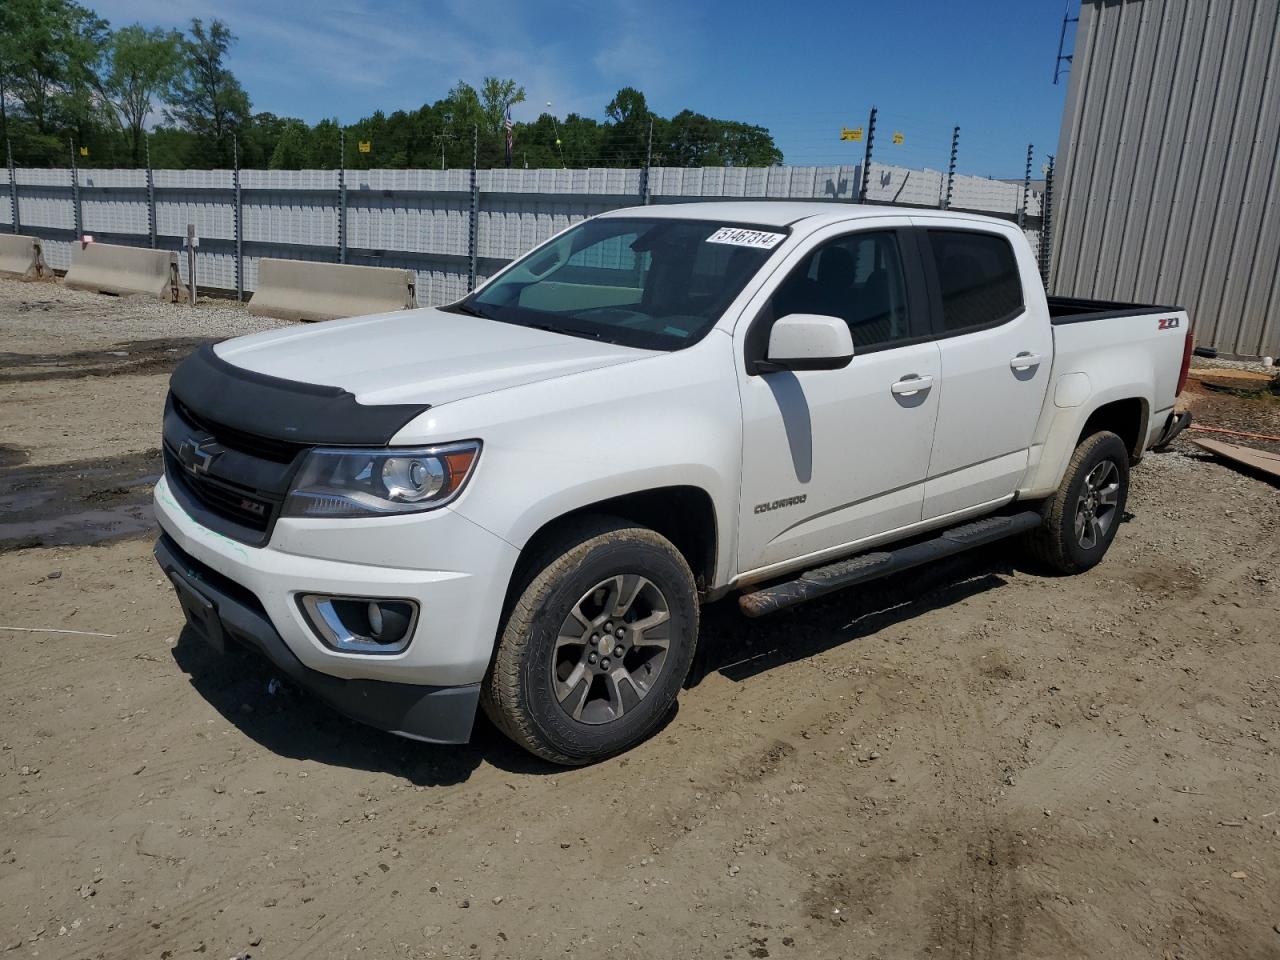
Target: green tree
(206, 98)
(141, 65)
(51, 54)
(292, 151)
(626, 140)
(496, 97)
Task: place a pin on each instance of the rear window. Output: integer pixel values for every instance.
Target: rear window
(978, 278)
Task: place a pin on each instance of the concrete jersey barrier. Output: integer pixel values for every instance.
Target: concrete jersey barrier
(22, 257)
(306, 290)
(105, 268)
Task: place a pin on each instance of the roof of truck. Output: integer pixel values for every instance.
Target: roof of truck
(784, 213)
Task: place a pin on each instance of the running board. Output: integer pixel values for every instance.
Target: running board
(871, 566)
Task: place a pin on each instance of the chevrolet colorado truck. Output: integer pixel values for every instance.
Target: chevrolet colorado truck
(519, 501)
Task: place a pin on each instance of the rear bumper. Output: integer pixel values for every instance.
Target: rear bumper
(428, 713)
(1176, 423)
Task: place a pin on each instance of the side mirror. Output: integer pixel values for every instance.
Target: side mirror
(806, 341)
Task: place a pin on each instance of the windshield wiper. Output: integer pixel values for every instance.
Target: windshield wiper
(552, 328)
(471, 311)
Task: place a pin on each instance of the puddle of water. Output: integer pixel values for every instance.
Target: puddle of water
(79, 529)
(72, 504)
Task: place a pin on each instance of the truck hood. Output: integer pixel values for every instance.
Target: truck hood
(423, 356)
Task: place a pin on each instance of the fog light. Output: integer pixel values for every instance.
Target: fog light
(360, 624)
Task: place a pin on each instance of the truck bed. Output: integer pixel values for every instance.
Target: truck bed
(1077, 310)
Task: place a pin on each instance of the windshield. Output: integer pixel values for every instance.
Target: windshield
(655, 283)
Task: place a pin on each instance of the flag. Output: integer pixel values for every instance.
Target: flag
(510, 130)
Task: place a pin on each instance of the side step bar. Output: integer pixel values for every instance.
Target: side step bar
(870, 566)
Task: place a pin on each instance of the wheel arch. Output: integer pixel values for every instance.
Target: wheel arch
(1126, 418)
(684, 514)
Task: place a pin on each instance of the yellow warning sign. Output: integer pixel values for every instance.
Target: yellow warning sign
(84, 151)
(854, 134)
(365, 146)
(897, 139)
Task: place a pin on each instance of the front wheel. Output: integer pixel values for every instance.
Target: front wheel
(1081, 518)
(597, 646)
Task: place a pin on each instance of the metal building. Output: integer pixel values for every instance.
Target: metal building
(1169, 164)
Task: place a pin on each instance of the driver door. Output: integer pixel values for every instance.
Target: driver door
(833, 457)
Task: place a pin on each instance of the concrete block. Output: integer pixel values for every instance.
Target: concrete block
(22, 257)
(306, 290)
(105, 268)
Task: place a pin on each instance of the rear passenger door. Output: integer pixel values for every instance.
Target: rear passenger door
(996, 354)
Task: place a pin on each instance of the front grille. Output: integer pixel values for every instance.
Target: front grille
(241, 505)
(236, 483)
(267, 448)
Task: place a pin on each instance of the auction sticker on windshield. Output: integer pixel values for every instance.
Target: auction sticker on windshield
(747, 238)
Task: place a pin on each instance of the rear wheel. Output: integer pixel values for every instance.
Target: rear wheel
(597, 646)
(1082, 517)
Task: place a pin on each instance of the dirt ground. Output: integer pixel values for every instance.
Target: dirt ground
(969, 761)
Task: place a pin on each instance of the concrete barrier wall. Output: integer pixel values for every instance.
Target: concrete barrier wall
(21, 257)
(105, 268)
(303, 290)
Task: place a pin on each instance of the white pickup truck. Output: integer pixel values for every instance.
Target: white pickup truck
(520, 500)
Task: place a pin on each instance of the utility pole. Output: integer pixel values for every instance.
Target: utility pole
(237, 214)
(473, 234)
(1026, 189)
(151, 191)
(951, 167)
(866, 157)
(75, 188)
(342, 195)
(442, 137)
(648, 162)
(1046, 224)
(13, 187)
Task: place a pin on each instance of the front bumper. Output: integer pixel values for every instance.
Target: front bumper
(456, 571)
(218, 607)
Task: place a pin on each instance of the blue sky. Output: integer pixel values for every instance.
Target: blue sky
(802, 70)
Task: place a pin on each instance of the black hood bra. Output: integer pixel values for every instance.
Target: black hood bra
(288, 410)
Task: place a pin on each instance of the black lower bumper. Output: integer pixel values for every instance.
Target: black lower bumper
(218, 608)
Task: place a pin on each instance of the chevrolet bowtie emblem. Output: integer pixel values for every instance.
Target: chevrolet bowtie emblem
(197, 454)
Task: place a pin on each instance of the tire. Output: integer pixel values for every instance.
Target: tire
(553, 642)
(1081, 519)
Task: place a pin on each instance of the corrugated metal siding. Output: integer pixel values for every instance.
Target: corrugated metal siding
(1169, 164)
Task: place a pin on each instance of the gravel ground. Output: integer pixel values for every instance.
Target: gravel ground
(48, 316)
(971, 760)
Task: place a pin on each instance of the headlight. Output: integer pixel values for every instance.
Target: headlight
(361, 483)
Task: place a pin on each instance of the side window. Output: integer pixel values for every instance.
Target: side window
(858, 278)
(977, 277)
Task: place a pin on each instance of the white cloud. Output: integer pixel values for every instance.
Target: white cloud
(323, 57)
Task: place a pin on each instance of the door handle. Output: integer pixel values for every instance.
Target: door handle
(1025, 361)
(911, 384)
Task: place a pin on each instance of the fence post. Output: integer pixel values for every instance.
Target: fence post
(13, 187)
(866, 157)
(1026, 189)
(473, 235)
(151, 192)
(1046, 225)
(191, 264)
(648, 162)
(236, 217)
(75, 189)
(951, 167)
(342, 196)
